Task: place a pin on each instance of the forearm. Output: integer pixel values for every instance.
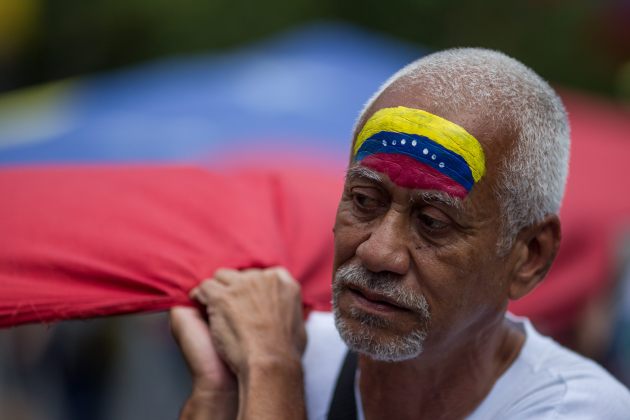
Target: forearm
(214, 405)
(272, 389)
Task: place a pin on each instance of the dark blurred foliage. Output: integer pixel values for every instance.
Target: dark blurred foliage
(565, 41)
(578, 43)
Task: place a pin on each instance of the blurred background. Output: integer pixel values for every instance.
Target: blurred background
(581, 43)
(156, 81)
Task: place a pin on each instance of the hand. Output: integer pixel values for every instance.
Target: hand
(215, 391)
(257, 328)
(255, 316)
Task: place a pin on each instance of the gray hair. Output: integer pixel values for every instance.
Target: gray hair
(502, 91)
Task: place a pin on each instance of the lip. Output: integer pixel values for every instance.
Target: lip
(374, 301)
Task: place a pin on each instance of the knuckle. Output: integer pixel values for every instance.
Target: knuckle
(213, 292)
(284, 275)
(207, 289)
(253, 274)
(268, 275)
(294, 289)
(253, 271)
(294, 286)
(224, 273)
(205, 284)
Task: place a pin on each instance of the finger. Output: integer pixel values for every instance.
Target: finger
(226, 275)
(291, 285)
(210, 292)
(198, 294)
(184, 320)
(205, 289)
(222, 339)
(284, 275)
(192, 335)
(253, 271)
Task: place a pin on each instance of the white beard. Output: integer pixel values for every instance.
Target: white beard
(362, 339)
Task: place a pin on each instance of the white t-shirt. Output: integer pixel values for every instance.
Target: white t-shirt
(546, 381)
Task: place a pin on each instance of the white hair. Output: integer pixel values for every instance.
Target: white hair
(504, 92)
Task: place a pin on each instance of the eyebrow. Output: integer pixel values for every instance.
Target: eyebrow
(439, 197)
(358, 171)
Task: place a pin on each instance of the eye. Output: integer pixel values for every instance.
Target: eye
(433, 224)
(364, 202)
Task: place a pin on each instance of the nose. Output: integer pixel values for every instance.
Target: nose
(386, 248)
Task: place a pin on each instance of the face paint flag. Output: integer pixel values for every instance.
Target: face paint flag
(417, 149)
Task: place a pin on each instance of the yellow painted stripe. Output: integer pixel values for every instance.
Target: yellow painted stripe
(416, 121)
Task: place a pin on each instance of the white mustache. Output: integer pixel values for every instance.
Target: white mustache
(386, 284)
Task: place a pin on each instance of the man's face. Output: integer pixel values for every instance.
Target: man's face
(415, 264)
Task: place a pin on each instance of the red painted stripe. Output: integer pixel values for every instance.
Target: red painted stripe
(407, 172)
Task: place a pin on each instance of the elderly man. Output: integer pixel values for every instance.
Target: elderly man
(449, 210)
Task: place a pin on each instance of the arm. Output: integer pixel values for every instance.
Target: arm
(257, 327)
(272, 389)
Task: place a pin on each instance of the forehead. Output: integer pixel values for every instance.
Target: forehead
(420, 150)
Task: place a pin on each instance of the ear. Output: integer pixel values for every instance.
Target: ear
(535, 249)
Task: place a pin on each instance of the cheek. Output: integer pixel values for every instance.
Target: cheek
(349, 234)
(451, 284)
(471, 288)
(451, 275)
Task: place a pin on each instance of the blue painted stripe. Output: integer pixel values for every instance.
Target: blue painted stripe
(446, 161)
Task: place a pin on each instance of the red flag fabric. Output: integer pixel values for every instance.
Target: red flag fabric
(85, 241)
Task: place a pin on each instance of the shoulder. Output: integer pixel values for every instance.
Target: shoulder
(322, 360)
(548, 381)
(588, 391)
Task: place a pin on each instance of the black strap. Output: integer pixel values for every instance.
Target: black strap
(344, 406)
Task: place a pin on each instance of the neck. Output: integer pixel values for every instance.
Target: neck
(441, 383)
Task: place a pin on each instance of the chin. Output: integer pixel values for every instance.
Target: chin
(369, 335)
